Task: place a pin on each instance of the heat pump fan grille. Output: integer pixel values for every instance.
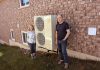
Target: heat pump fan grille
(40, 38)
(40, 24)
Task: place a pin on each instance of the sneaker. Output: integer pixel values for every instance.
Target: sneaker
(66, 66)
(59, 62)
(31, 56)
(34, 57)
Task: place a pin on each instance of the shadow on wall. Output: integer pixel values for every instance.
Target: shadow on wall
(72, 40)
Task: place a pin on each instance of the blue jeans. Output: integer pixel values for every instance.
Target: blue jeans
(62, 45)
(32, 47)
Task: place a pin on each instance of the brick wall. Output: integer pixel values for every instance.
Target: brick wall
(80, 14)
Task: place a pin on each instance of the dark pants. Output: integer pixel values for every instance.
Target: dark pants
(62, 45)
(32, 47)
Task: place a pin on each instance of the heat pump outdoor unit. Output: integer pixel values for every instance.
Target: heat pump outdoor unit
(45, 31)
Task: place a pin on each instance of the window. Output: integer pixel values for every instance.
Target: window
(24, 37)
(24, 3)
(12, 34)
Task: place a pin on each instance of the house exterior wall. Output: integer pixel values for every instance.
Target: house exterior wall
(80, 14)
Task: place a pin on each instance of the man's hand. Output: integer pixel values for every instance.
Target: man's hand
(64, 39)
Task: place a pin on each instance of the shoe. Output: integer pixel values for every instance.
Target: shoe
(31, 56)
(66, 66)
(59, 62)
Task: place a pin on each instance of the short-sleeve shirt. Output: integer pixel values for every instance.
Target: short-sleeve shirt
(62, 30)
(31, 37)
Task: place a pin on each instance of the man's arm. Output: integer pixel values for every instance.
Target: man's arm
(67, 35)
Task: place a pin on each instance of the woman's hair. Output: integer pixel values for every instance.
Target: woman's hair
(31, 27)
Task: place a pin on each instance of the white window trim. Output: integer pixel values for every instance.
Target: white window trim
(13, 39)
(22, 37)
(23, 6)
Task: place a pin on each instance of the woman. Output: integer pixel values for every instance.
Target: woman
(31, 39)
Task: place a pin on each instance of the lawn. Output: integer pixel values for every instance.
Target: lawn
(12, 58)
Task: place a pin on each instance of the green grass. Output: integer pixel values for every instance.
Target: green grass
(14, 59)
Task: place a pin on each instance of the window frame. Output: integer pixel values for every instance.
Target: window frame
(23, 38)
(24, 5)
(12, 35)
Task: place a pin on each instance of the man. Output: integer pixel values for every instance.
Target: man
(63, 32)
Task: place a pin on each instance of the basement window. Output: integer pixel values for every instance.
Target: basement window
(24, 3)
(24, 37)
(12, 34)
